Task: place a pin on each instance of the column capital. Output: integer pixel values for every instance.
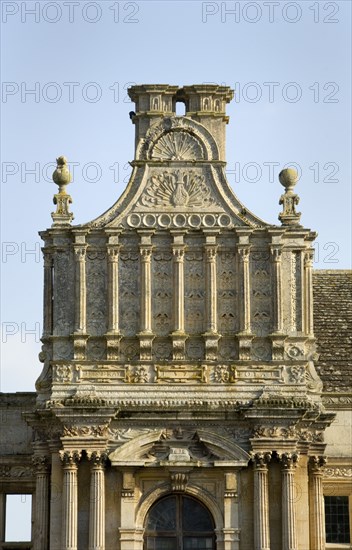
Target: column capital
(70, 459)
(98, 459)
(276, 252)
(288, 461)
(48, 257)
(80, 251)
(260, 460)
(243, 251)
(309, 257)
(145, 252)
(178, 253)
(41, 464)
(113, 252)
(317, 464)
(211, 251)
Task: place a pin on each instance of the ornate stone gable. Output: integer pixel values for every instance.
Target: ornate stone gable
(178, 292)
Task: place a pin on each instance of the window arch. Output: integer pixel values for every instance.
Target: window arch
(179, 522)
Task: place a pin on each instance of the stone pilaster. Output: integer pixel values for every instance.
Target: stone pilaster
(79, 336)
(113, 336)
(70, 461)
(308, 292)
(289, 528)
(261, 501)
(48, 293)
(316, 502)
(231, 529)
(178, 335)
(244, 336)
(42, 470)
(146, 335)
(97, 502)
(276, 257)
(211, 335)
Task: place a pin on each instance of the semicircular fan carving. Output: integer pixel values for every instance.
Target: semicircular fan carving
(177, 145)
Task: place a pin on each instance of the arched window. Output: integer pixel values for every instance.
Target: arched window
(180, 108)
(179, 522)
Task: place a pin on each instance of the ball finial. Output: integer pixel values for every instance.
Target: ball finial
(61, 175)
(288, 178)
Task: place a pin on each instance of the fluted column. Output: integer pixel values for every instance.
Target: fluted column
(317, 515)
(289, 529)
(70, 461)
(178, 336)
(42, 469)
(261, 501)
(48, 293)
(97, 502)
(308, 291)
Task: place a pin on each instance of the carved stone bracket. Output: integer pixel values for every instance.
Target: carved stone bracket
(244, 345)
(179, 481)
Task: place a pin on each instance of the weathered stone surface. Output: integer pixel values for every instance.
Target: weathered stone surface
(178, 348)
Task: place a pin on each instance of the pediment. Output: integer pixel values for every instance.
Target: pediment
(177, 182)
(179, 448)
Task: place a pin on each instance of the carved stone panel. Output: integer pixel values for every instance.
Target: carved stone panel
(96, 292)
(227, 291)
(194, 290)
(63, 306)
(261, 292)
(162, 291)
(129, 291)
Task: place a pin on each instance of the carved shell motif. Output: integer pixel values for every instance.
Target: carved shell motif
(178, 189)
(177, 146)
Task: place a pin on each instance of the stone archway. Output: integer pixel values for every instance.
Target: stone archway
(179, 522)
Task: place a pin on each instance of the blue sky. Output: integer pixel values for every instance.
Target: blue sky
(289, 63)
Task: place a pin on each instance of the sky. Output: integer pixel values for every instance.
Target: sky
(65, 69)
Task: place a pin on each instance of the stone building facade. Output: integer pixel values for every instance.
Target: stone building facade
(189, 399)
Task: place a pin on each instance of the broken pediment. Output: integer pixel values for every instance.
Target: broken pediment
(179, 447)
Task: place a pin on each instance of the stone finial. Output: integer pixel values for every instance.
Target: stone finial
(288, 179)
(62, 177)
